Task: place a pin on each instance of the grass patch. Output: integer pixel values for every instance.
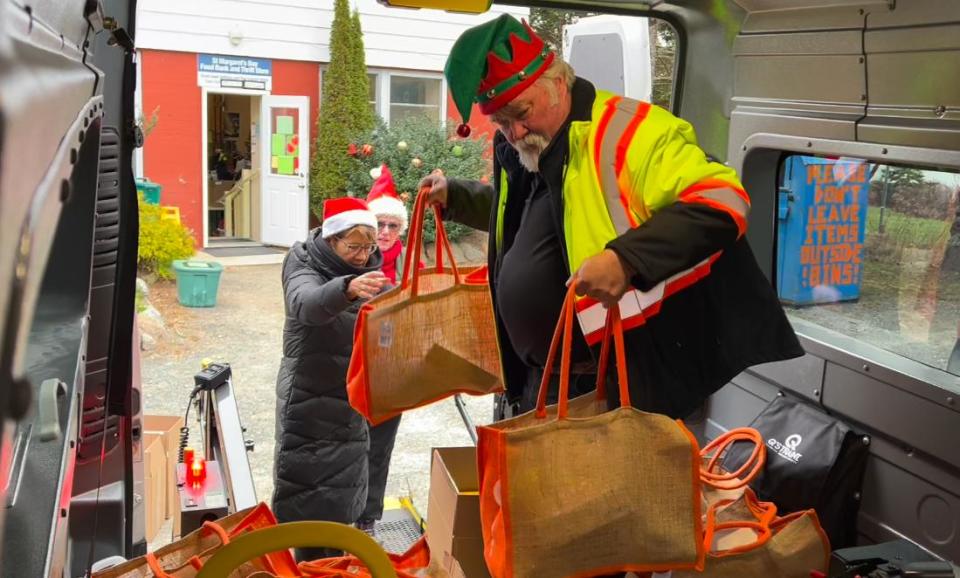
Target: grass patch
(907, 231)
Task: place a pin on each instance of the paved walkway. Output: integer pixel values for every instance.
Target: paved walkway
(244, 261)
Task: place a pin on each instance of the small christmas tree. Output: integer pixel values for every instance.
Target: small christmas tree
(412, 148)
(344, 109)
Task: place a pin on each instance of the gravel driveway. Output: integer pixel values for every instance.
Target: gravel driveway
(244, 329)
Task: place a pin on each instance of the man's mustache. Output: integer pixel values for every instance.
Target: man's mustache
(533, 141)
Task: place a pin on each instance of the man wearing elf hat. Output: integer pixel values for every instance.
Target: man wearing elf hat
(613, 194)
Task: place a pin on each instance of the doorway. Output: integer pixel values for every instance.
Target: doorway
(232, 203)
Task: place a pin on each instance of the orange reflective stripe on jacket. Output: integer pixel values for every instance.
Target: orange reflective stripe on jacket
(625, 159)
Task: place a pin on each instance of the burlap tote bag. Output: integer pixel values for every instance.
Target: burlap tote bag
(789, 547)
(576, 490)
(430, 338)
(185, 557)
(743, 536)
(721, 487)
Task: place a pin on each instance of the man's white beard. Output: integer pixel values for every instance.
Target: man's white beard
(530, 147)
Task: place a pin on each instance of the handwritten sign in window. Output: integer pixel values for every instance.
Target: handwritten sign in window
(832, 247)
(820, 230)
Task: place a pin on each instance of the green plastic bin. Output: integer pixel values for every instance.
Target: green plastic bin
(150, 191)
(197, 282)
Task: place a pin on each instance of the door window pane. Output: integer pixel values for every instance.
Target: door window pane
(284, 141)
(411, 96)
(873, 252)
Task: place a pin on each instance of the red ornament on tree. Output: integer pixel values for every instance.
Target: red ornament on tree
(485, 179)
(367, 150)
(463, 131)
(352, 150)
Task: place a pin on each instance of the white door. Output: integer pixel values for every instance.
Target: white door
(285, 141)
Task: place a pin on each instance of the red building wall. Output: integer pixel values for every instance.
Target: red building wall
(173, 153)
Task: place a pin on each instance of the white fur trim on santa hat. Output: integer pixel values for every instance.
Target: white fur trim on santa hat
(392, 207)
(347, 220)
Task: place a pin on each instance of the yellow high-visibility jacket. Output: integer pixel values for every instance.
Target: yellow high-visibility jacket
(629, 176)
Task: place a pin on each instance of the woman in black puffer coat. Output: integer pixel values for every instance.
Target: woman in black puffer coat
(321, 467)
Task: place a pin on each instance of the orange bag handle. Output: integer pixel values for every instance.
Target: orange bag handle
(765, 512)
(613, 326)
(719, 446)
(159, 572)
(411, 273)
(155, 566)
(564, 331)
(412, 241)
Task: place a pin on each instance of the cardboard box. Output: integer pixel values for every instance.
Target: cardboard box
(167, 427)
(154, 484)
(453, 527)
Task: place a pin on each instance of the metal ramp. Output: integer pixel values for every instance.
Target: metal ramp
(400, 527)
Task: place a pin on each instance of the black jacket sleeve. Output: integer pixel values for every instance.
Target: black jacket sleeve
(314, 301)
(469, 203)
(674, 239)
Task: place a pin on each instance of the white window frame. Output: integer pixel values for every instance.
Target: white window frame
(382, 88)
(376, 89)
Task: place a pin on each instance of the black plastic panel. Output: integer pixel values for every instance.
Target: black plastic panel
(37, 521)
(106, 246)
(103, 275)
(105, 258)
(107, 219)
(101, 308)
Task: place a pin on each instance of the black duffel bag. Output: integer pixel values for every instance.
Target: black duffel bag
(813, 461)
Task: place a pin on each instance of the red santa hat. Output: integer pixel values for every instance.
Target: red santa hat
(343, 214)
(384, 200)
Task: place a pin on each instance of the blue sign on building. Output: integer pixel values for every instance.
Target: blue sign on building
(821, 225)
(218, 71)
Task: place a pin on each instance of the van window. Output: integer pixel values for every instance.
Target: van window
(872, 251)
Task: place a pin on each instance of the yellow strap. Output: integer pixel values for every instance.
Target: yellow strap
(501, 207)
(299, 535)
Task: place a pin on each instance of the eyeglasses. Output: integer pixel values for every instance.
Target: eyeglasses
(357, 247)
(389, 226)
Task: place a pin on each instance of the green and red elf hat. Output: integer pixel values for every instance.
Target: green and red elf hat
(492, 63)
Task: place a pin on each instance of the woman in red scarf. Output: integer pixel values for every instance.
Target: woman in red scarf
(391, 222)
